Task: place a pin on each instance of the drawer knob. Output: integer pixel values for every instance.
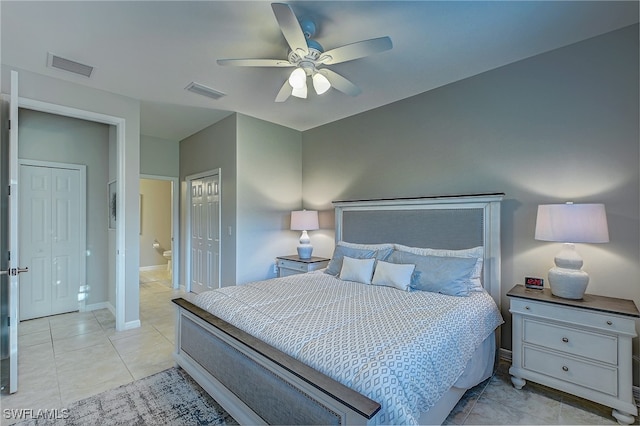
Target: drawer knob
(565, 368)
(609, 322)
(527, 308)
(564, 339)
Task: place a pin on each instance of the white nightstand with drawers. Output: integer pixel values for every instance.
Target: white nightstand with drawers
(582, 347)
(289, 265)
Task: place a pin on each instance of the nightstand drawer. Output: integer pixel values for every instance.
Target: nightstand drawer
(596, 346)
(582, 373)
(581, 317)
(302, 267)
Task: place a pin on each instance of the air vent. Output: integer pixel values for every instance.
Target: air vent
(68, 65)
(204, 90)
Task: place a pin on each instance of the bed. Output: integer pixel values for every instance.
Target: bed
(329, 349)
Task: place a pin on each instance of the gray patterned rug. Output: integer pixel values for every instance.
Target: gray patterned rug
(170, 397)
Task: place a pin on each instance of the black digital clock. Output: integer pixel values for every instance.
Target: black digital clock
(533, 282)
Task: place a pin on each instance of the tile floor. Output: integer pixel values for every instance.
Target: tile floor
(68, 357)
(64, 358)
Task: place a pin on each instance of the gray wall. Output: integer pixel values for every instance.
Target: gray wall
(212, 148)
(559, 126)
(269, 187)
(48, 137)
(159, 157)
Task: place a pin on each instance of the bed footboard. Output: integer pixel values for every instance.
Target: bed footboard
(256, 383)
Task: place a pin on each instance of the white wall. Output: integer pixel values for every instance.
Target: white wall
(559, 126)
(159, 157)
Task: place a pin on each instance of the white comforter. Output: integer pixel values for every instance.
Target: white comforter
(401, 349)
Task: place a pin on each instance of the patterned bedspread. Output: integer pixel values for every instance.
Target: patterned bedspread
(401, 349)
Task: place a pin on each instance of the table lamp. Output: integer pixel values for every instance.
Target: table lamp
(304, 220)
(570, 223)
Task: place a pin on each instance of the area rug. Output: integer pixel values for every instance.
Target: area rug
(170, 397)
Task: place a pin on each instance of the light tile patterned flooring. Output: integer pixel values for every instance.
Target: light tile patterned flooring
(68, 357)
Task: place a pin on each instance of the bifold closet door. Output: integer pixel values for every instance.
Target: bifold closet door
(205, 234)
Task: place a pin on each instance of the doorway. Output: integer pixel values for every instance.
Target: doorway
(159, 228)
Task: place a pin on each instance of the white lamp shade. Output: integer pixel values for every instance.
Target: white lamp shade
(304, 220)
(572, 223)
(298, 78)
(300, 92)
(320, 83)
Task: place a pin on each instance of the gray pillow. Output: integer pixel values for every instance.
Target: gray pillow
(438, 274)
(335, 265)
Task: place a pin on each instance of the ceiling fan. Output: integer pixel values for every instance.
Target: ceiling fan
(310, 59)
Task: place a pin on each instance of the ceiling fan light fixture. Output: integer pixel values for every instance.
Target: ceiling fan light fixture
(300, 92)
(298, 79)
(320, 83)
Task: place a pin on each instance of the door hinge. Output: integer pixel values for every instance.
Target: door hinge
(9, 191)
(9, 124)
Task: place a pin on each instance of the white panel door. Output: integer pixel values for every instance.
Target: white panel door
(51, 206)
(205, 234)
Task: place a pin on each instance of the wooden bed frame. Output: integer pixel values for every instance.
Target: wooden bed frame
(258, 384)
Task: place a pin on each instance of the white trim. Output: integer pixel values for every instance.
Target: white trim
(98, 306)
(130, 325)
(119, 124)
(175, 226)
(82, 243)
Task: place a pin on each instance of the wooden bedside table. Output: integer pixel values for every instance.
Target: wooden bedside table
(289, 265)
(582, 347)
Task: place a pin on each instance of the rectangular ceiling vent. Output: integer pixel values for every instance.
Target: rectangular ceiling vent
(55, 61)
(204, 90)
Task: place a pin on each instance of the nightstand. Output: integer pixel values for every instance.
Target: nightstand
(289, 265)
(582, 347)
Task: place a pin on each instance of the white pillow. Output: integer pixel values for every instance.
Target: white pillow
(359, 270)
(475, 281)
(393, 275)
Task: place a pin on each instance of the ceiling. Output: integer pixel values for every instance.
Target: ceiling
(151, 50)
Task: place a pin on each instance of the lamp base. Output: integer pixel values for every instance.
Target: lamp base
(304, 251)
(566, 279)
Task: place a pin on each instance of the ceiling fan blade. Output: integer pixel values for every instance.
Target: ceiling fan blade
(255, 62)
(355, 50)
(340, 83)
(290, 28)
(285, 92)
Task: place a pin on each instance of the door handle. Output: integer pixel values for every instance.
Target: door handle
(14, 271)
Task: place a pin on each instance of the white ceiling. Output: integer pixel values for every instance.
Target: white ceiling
(151, 50)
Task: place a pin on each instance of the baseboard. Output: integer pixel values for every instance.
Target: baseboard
(131, 324)
(153, 268)
(96, 306)
(505, 354)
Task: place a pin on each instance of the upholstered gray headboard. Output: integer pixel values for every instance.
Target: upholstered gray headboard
(444, 222)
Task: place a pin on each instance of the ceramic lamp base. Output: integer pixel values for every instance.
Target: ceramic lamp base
(567, 280)
(304, 251)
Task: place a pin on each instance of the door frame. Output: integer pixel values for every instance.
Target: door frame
(119, 124)
(175, 226)
(187, 221)
(82, 244)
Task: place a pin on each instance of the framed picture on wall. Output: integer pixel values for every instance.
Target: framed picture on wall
(112, 204)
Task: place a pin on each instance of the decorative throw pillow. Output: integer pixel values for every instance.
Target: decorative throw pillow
(341, 250)
(393, 275)
(438, 274)
(477, 253)
(359, 270)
